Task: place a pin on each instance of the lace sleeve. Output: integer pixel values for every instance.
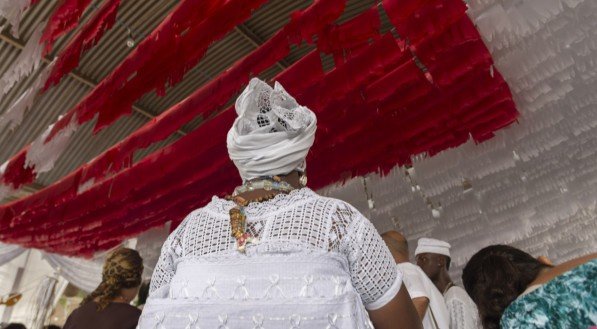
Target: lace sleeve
(164, 269)
(462, 316)
(372, 268)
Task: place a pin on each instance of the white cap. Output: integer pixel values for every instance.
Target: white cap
(432, 246)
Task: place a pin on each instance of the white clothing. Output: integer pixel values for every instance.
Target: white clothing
(318, 263)
(432, 246)
(272, 133)
(418, 285)
(463, 311)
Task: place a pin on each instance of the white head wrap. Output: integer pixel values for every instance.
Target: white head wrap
(272, 133)
(432, 246)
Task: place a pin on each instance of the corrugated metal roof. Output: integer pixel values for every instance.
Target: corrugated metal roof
(141, 17)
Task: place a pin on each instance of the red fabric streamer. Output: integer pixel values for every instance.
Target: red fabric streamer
(417, 20)
(202, 102)
(155, 59)
(64, 18)
(258, 58)
(85, 39)
(16, 173)
(339, 39)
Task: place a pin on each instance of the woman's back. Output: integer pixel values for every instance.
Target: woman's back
(317, 261)
(114, 316)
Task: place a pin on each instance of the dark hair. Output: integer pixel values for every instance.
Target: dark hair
(143, 293)
(495, 276)
(51, 326)
(122, 269)
(15, 325)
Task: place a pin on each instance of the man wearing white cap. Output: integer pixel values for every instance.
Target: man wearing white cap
(428, 301)
(433, 256)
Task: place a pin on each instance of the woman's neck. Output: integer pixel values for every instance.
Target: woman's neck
(293, 179)
(443, 282)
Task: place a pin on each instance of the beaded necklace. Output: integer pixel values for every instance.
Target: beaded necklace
(238, 218)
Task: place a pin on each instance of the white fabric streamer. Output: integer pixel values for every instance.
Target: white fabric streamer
(9, 252)
(28, 61)
(5, 190)
(12, 11)
(44, 297)
(85, 274)
(13, 116)
(272, 133)
(42, 156)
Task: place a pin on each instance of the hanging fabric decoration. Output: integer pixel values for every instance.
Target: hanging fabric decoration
(65, 17)
(41, 155)
(210, 97)
(42, 302)
(298, 26)
(28, 61)
(12, 12)
(204, 101)
(85, 39)
(172, 48)
(340, 40)
(161, 40)
(15, 173)
(84, 274)
(13, 116)
(380, 89)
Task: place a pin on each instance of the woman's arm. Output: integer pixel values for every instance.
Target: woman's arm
(399, 313)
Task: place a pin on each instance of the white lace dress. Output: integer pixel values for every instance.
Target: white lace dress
(319, 264)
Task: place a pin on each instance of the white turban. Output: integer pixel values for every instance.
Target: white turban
(272, 133)
(432, 246)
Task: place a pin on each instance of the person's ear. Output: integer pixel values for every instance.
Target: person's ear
(544, 260)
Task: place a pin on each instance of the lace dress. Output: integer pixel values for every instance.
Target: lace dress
(319, 264)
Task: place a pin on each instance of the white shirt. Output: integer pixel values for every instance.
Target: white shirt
(319, 263)
(463, 311)
(419, 285)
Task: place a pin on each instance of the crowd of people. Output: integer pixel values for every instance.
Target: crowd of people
(275, 254)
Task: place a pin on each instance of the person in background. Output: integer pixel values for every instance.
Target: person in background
(15, 325)
(108, 306)
(428, 301)
(433, 257)
(512, 289)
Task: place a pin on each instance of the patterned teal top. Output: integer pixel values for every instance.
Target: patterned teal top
(566, 302)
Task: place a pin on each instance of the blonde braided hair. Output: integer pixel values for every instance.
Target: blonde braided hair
(122, 269)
